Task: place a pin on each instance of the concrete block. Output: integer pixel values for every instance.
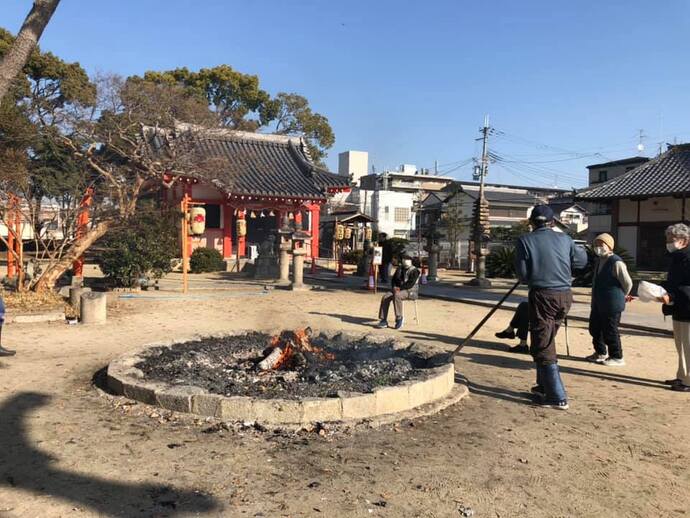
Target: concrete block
(320, 410)
(178, 398)
(420, 392)
(392, 399)
(140, 393)
(236, 408)
(207, 404)
(358, 406)
(277, 411)
(93, 308)
(115, 385)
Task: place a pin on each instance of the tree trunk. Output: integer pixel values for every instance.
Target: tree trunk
(26, 41)
(49, 277)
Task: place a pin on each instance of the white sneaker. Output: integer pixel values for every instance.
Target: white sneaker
(614, 362)
(596, 358)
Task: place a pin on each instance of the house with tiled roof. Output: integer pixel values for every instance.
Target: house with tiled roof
(259, 178)
(637, 206)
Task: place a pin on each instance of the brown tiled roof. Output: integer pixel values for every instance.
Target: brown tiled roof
(666, 175)
(261, 164)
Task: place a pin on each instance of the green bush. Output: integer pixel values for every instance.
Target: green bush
(142, 246)
(353, 256)
(396, 247)
(501, 262)
(206, 260)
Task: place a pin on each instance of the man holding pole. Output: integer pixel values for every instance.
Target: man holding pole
(544, 261)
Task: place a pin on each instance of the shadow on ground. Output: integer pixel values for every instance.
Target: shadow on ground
(24, 467)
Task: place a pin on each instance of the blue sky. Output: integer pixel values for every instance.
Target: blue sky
(566, 84)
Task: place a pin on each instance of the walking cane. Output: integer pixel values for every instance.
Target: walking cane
(567, 343)
(483, 321)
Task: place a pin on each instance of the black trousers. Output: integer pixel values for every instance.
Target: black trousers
(604, 330)
(520, 320)
(547, 309)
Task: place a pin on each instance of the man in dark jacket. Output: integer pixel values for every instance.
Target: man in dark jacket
(544, 261)
(404, 286)
(677, 300)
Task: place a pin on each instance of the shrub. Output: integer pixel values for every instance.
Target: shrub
(353, 256)
(396, 246)
(206, 260)
(143, 246)
(501, 262)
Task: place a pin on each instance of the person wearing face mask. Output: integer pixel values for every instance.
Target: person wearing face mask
(404, 284)
(677, 300)
(545, 260)
(611, 285)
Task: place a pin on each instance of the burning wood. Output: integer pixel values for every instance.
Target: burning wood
(290, 349)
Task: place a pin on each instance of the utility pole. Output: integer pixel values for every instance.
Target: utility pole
(481, 215)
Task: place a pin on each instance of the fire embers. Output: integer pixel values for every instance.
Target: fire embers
(292, 350)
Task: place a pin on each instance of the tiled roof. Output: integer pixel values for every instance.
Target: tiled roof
(260, 164)
(665, 175)
(624, 161)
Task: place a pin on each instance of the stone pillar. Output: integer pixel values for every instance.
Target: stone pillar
(284, 264)
(75, 296)
(298, 268)
(433, 262)
(93, 308)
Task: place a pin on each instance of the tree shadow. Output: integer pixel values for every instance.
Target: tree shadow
(24, 467)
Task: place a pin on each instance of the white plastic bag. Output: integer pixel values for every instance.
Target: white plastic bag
(649, 292)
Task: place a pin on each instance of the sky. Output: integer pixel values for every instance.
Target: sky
(565, 84)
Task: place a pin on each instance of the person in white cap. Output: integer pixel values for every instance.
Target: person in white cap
(611, 285)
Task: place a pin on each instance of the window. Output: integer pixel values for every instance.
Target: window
(603, 176)
(402, 214)
(212, 216)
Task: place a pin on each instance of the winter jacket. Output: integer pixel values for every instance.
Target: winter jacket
(406, 279)
(677, 284)
(545, 259)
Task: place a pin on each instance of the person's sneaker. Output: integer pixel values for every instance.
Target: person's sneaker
(399, 323)
(506, 334)
(614, 362)
(382, 324)
(680, 387)
(596, 358)
(556, 405)
(6, 352)
(519, 349)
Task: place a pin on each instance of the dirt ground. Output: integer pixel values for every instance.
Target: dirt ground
(66, 450)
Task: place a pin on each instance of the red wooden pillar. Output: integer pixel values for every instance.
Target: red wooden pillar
(227, 231)
(11, 262)
(82, 223)
(188, 192)
(241, 241)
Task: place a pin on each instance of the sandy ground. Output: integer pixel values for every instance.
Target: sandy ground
(66, 450)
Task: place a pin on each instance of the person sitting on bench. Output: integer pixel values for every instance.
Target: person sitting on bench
(519, 326)
(404, 284)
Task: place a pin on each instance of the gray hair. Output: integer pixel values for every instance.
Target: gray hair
(678, 231)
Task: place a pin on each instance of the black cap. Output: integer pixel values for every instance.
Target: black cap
(541, 214)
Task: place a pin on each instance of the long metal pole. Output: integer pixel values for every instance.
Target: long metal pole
(483, 321)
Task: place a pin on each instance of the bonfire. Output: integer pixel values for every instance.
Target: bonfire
(292, 350)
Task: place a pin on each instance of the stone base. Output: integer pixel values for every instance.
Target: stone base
(480, 283)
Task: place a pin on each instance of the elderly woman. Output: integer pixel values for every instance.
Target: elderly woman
(677, 301)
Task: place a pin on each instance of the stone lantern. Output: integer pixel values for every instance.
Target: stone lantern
(299, 250)
(285, 233)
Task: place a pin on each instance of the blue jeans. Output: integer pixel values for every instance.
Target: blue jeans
(549, 378)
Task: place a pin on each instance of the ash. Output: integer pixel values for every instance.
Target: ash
(228, 366)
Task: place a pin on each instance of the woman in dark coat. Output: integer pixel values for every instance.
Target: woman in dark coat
(677, 301)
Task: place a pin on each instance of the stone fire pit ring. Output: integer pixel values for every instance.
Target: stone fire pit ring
(432, 390)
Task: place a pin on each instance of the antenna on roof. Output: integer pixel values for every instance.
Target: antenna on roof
(640, 143)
